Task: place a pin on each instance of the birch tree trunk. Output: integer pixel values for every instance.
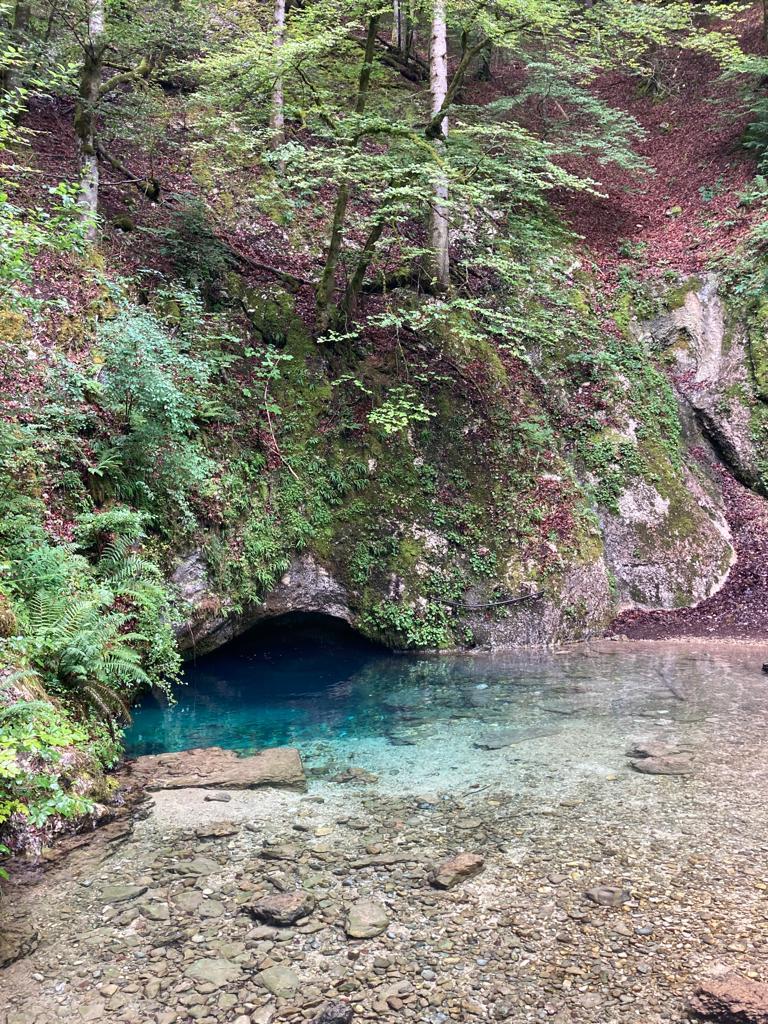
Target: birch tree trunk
(277, 118)
(399, 25)
(85, 116)
(438, 82)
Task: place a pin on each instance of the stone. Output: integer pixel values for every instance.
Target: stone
(121, 893)
(214, 971)
(264, 1014)
(280, 981)
(217, 829)
(672, 764)
(215, 768)
(455, 870)
(731, 998)
(156, 911)
(365, 920)
(356, 775)
(497, 739)
(642, 749)
(197, 866)
(335, 1013)
(608, 895)
(17, 940)
(283, 909)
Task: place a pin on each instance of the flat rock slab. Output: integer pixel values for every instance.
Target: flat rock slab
(280, 981)
(121, 893)
(731, 998)
(215, 768)
(217, 830)
(671, 764)
(497, 739)
(214, 971)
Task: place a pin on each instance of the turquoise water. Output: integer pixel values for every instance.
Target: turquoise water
(344, 702)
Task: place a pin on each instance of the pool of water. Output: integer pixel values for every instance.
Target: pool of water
(430, 721)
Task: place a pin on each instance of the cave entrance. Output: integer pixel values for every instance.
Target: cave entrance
(284, 678)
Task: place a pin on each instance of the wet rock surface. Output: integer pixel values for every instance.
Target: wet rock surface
(214, 768)
(682, 861)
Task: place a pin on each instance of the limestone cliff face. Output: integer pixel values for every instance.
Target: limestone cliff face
(716, 364)
(647, 526)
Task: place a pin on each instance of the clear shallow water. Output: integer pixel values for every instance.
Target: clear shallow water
(430, 721)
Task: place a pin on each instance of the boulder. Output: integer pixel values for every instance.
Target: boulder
(732, 999)
(215, 768)
(454, 870)
(283, 909)
(365, 920)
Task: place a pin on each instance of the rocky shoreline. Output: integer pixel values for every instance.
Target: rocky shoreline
(611, 904)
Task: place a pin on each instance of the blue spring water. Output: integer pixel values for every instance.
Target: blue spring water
(316, 685)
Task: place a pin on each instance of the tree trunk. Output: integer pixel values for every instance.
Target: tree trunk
(765, 20)
(355, 285)
(11, 76)
(85, 117)
(399, 24)
(277, 119)
(438, 81)
(328, 278)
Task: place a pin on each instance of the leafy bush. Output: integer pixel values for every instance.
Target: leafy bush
(34, 781)
(152, 387)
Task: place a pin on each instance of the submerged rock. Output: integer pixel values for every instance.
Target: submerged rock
(497, 739)
(280, 981)
(670, 764)
(214, 971)
(655, 748)
(215, 768)
(217, 830)
(608, 895)
(119, 893)
(335, 1013)
(283, 909)
(454, 870)
(365, 920)
(731, 998)
(356, 775)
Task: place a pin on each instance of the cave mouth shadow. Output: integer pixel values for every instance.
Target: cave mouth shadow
(291, 637)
